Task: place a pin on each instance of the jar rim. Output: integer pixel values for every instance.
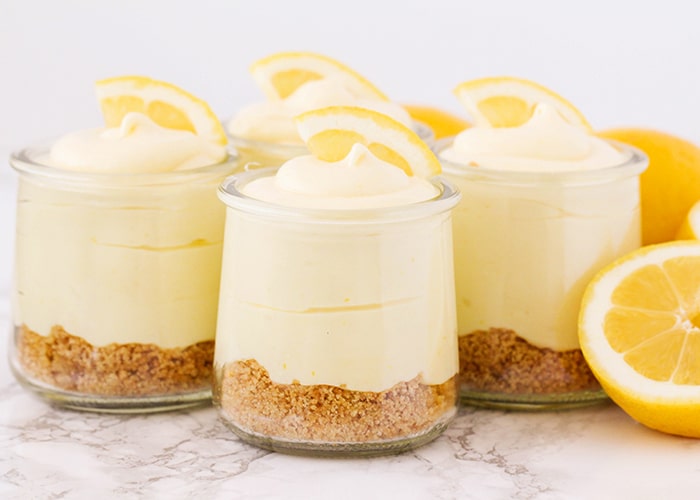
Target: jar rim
(27, 161)
(635, 162)
(230, 193)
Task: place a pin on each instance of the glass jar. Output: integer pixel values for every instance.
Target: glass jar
(116, 284)
(526, 245)
(260, 154)
(337, 328)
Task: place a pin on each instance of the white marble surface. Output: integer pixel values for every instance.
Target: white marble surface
(597, 452)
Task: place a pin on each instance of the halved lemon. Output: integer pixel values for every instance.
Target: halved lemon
(167, 105)
(690, 228)
(639, 330)
(443, 123)
(509, 102)
(330, 133)
(279, 75)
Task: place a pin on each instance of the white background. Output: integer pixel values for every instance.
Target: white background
(620, 62)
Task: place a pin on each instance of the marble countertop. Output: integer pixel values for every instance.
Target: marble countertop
(595, 452)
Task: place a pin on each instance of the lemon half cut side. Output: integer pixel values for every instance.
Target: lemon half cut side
(639, 330)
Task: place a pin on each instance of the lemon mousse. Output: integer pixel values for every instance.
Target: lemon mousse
(545, 205)
(294, 83)
(337, 326)
(118, 257)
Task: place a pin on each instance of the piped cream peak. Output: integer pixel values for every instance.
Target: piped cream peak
(360, 180)
(547, 142)
(137, 145)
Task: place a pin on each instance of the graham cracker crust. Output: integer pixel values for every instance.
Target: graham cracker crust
(498, 360)
(250, 400)
(70, 363)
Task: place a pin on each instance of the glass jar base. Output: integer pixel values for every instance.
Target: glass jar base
(111, 404)
(342, 449)
(533, 402)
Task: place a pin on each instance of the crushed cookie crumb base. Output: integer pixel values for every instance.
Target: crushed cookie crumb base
(316, 414)
(70, 363)
(498, 361)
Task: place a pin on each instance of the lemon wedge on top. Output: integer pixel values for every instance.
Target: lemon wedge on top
(330, 133)
(279, 75)
(167, 105)
(510, 102)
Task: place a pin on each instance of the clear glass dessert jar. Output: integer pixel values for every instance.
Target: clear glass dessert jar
(116, 284)
(526, 244)
(337, 327)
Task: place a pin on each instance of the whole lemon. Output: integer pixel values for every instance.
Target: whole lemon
(443, 123)
(670, 186)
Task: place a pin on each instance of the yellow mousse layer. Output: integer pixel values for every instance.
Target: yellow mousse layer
(114, 259)
(362, 305)
(526, 245)
(523, 255)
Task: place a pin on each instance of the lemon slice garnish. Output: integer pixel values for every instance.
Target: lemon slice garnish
(167, 105)
(330, 133)
(510, 102)
(279, 75)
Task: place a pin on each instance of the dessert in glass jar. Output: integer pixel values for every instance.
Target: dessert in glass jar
(545, 205)
(118, 254)
(337, 327)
